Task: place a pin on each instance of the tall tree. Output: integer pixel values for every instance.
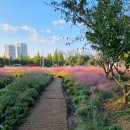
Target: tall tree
(29, 60)
(11, 61)
(37, 59)
(60, 59)
(55, 58)
(5, 60)
(106, 28)
(49, 57)
(21, 60)
(80, 61)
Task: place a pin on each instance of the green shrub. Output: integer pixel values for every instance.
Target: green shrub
(5, 81)
(88, 104)
(125, 77)
(17, 98)
(113, 127)
(79, 99)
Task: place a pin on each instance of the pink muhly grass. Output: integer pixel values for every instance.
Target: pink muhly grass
(93, 76)
(2, 74)
(90, 75)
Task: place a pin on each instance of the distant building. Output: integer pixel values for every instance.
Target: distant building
(81, 51)
(21, 50)
(76, 52)
(10, 51)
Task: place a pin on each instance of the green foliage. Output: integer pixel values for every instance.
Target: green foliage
(88, 104)
(113, 127)
(5, 61)
(21, 59)
(60, 59)
(126, 57)
(55, 58)
(80, 61)
(91, 61)
(16, 99)
(37, 59)
(5, 81)
(72, 60)
(49, 57)
(77, 60)
(124, 77)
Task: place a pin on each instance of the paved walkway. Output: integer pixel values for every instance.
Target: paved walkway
(49, 112)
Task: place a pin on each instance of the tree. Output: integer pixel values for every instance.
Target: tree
(106, 28)
(1, 60)
(72, 60)
(55, 58)
(5, 60)
(11, 61)
(80, 61)
(60, 59)
(49, 57)
(16, 61)
(29, 60)
(37, 59)
(21, 59)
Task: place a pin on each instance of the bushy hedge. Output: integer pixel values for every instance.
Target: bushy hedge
(18, 97)
(89, 107)
(5, 81)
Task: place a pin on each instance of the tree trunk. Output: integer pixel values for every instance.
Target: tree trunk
(107, 74)
(125, 99)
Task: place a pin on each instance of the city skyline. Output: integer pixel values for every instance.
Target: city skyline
(10, 51)
(22, 50)
(15, 51)
(30, 23)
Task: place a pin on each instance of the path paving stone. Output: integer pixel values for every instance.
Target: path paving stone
(49, 112)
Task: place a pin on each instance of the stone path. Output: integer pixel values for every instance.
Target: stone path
(49, 112)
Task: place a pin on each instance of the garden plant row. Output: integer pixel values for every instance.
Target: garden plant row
(87, 104)
(17, 98)
(5, 81)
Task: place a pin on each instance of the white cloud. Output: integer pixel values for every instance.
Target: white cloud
(52, 40)
(59, 22)
(7, 27)
(48, 31)
(34, 34)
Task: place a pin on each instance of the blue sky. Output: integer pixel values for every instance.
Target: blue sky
(38, 25)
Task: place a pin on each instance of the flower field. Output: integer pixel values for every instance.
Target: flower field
(90, 75)
(19, 88)
(18, 71)
(88, 88)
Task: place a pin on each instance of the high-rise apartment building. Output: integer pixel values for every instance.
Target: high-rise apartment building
(76, 52)
(21, 50)
(10, 51)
